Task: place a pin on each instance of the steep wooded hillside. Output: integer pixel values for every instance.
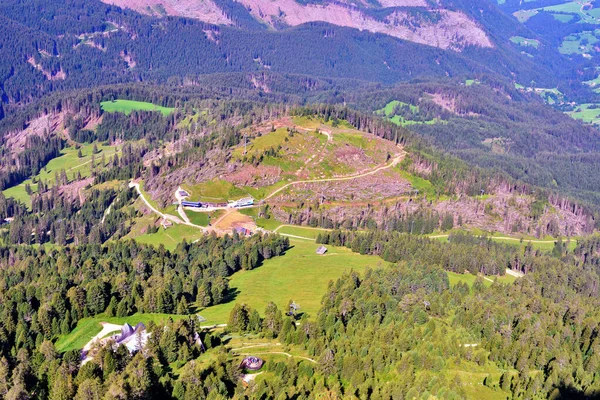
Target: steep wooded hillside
(413, 20)
(53, 45)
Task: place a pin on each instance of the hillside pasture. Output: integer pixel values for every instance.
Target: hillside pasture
(70, 162)
(580, 43)
(587, 112)
(390, 112)
(216, 191)
(522, 41)
(300, 275)
(128, 106)
(283, 151)
(470, 279)
(171, 236)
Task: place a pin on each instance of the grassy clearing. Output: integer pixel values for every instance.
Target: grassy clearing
(422, 185)
(70, 162)
(595, 83)
(524, 15)
(302, 231)
(139, 225)
(214, 191)
(128, 106)
(269, 224)
(564, 18)
(543, 244)
(522, 41)
(87, 328)
(587, 112)
(389, 111)
(199, 218)
(565, 12)
(580, 43)
(171, 236)
(470, 279)
(300, 274)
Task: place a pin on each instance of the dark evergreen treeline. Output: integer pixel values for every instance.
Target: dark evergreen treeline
(17, 167)
(401, 332)
(46, 292)
(60, 219)
(463, 253)
(83, 44)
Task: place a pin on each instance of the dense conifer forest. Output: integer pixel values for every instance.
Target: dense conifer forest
(415, 222)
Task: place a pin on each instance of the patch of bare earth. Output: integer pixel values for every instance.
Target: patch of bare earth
(351, 155)
(50, 75)
(74, 190)
(93, 123)
(204, 10)
(128, 59)
(44, 125)
(448, 30)
(451, 29)
(234, 219)
(249, 175)
(369, 188)
(449, 103)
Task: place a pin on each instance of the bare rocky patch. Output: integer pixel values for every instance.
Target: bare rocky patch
(59, 75)
(447, 29)
(204, 10)
(44, 125)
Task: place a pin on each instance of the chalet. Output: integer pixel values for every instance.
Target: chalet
(321, 250)
(243, 231)
(245, 202)
(131, 337)
(193, 204)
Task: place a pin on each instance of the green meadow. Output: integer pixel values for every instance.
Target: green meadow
(70, 162)
(470, 279)
(128, 106)
(171, 236)
(389, 112)
(521, 41)
(587, 112)
(214, 191)
(300, 275)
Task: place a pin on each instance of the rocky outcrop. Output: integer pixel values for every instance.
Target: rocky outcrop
(417, 21)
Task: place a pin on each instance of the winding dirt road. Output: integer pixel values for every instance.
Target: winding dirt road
(168, 217)
(394, 162)
(397, 158)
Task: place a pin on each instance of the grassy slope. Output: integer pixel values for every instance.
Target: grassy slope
(300, 275)
(127, 106)
(68, 161)
(171, 236)
(388, 111)
(587, 114)
(522, 41)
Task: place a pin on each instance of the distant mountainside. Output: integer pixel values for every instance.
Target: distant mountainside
(55, 45)
(419, 21)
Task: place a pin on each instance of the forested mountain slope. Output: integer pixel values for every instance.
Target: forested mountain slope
(418, 21)
(50, 46)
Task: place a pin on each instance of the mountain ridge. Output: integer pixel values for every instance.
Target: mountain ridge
(412, 20)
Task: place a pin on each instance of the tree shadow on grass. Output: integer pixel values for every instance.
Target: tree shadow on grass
(283, 253)
(231, 294)
(570, 393)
